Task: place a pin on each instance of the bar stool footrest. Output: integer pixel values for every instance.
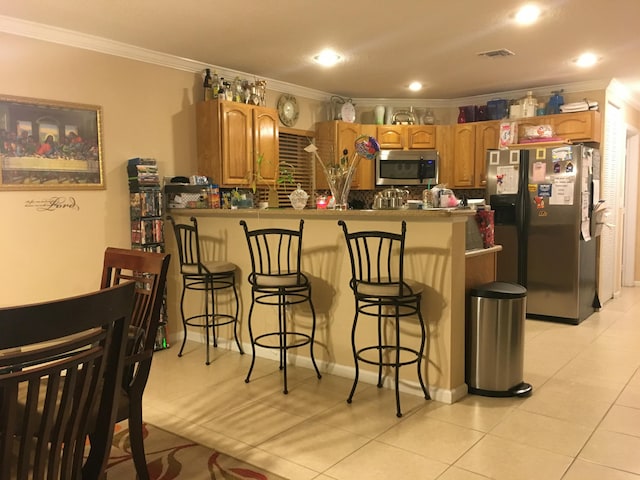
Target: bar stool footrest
(302, 340)
(388, 348)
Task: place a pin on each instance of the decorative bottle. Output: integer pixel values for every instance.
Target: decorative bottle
(208, 85)
(215, 84)
(222, 95)
(529, 105)
(379, 114)
(462, 116)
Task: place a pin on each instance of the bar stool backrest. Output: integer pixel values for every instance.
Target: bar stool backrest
(188, 243)
(377, 260)
(274, 252)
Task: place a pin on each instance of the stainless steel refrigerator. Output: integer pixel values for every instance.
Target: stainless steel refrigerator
(543, 202)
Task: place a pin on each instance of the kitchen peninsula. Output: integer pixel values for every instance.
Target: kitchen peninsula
(434, 257)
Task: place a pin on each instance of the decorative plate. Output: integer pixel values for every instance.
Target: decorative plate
(288, 110)
(348, 112)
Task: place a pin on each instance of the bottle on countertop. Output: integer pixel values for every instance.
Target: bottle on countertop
(529, 105)
(208, 85)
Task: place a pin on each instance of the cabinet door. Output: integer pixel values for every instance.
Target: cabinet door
(464, 143)
(578, 126)
(347, 135)
(208, 140)
(366, 168)
(444, 140)
(326, 141)
(237, 143)
(421, 136)
(265, 138)
(487, 136)
(392, 136)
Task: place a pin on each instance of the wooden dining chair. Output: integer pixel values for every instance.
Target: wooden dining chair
(149, 271)
(61, 362)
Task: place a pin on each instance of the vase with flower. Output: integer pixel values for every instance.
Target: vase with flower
(340, 174)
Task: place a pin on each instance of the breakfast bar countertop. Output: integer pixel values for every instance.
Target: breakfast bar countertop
(408, 214)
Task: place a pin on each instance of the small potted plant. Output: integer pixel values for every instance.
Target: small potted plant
(285, 177)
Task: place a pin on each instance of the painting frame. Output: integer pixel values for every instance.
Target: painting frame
(50, 145)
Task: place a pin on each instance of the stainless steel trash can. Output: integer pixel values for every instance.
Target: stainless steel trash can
(495, 340)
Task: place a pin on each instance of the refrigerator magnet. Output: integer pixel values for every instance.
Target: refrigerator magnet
(544, 190)
(541, 153)
(556, 167)
(538, 171)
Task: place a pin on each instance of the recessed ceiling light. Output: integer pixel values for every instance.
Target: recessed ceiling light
(415, 86)
(528, 14)
(586, 60)
(327, 58)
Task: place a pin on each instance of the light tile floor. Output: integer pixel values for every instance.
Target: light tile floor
(582, 421)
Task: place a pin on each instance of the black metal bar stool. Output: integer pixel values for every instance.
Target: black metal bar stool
(382, 292)
(276, 280)
(209, 277)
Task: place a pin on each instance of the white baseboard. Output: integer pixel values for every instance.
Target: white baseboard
(346, 371)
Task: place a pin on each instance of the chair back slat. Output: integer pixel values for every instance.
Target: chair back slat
(52, 384)
(274, 251)
(188, 243)
(376, 257)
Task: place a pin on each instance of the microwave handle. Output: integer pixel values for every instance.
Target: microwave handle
(422, 170)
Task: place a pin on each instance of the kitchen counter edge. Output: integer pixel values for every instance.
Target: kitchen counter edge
(453, 214)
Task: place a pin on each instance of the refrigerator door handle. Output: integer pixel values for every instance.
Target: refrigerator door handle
(523, 213)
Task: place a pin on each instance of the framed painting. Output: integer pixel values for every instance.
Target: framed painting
(50, 145)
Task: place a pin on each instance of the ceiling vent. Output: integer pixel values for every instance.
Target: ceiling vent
(501, 52)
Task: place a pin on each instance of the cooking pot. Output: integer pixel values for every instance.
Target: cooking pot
(391, 199)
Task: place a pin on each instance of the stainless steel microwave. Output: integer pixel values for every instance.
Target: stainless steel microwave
(407, 167)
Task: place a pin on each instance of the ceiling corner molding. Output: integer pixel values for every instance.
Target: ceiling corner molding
(621, 92)
(48, 33)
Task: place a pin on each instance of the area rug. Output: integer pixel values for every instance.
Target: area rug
(172, 457)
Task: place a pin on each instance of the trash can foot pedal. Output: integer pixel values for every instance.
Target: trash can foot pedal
(520, 390)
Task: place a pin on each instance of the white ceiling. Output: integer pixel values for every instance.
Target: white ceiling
(386, 44)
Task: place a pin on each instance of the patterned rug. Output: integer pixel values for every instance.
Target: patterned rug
(172, 457)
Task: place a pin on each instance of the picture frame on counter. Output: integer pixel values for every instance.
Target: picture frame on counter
(50, 145)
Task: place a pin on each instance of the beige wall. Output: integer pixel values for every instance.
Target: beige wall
(147, 111)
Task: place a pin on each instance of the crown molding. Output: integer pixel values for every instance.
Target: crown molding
(94, 43)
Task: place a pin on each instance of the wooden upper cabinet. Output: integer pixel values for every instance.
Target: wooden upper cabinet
(332, 138)
(464, 149)
(230, 136)
(393, 137)
(367, 168)
(470, 144)
(265, 141)
(237, 143)
(487, 137)
(577, 127)
(421, 136)
(444, 140)
(584, 126)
